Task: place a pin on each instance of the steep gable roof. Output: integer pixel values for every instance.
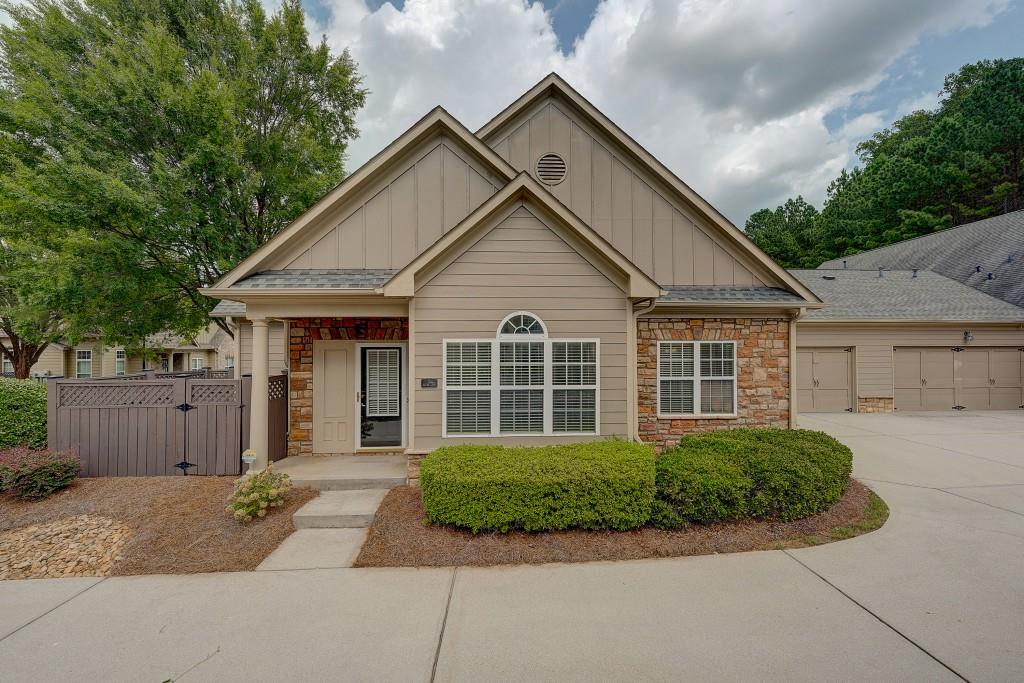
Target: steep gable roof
(554, 86)
(437, 121)
(967, 254)
(522, 187)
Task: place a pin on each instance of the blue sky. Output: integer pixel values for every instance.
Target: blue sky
(748, 101)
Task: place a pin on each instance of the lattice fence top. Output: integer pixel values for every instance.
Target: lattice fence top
(208, 393)
(278, 387)
(120, 394)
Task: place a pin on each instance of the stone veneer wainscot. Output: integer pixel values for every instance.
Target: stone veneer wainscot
(302, 332)
(762, 374)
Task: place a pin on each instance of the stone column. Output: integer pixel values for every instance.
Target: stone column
(259, 402)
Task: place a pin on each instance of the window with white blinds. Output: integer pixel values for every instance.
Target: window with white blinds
(521, 383)
(467, 382)
(696, 378)
(383, 374)
(574, 377)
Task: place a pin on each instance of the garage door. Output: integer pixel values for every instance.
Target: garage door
(957, 378)
(823, 380)
(990, 379)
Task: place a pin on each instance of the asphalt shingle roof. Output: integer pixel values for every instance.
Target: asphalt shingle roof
(228, 309)
(899, 295)
(317, 278)
(741, 295)
(995, 244)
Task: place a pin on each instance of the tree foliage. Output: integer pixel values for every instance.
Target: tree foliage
(150, 145)
(930, 170)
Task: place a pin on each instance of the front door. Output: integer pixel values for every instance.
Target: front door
(380, 396)
(333, 392)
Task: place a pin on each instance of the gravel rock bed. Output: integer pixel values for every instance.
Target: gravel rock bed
(85, 545)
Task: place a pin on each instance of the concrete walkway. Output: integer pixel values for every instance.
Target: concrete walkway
(936, 595)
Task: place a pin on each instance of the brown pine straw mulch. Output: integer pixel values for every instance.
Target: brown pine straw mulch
(401, 537)
(176, 525)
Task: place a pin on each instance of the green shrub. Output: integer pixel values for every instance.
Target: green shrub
(22, 413)
(698, 487)
(254, 495)
(36, 474)
(766, 473)
(599, 485)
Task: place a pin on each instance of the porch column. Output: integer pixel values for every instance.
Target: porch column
(259, 439)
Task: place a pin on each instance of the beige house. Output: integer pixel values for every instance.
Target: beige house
(932, 323)
(542, 280)
(212, 348)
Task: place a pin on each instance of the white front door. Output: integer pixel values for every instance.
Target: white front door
(333, 397)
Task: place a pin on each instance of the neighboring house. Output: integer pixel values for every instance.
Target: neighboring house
(212, 348)
(543, 280)
(948, 335)
(987, 255)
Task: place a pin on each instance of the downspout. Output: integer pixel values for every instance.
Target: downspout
(792, 366)
(631, 363)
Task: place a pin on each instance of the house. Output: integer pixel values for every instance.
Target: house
(211, 348)
(542, 280)
(931, 323)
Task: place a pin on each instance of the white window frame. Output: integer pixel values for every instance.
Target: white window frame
(195, 363)
(6, 366)
(697, 378)
(495, 386)
(120, 360)
(83, 356)
(229, 362)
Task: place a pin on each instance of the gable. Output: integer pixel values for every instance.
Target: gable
(525, 256)
(521, 191)
(623, 202)
(389, 209)
(422, 198)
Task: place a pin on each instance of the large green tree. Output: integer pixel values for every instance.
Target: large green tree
(930, 170)
(153, 144)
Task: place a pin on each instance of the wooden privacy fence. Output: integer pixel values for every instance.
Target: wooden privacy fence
(145, 427)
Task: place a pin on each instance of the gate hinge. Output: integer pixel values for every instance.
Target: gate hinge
(184, 407)
(959, 407)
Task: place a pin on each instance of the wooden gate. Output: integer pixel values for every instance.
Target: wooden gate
(145, 427)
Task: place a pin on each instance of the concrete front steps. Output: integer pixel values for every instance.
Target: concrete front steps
(344, 472)
(331, 528)
(340, 509)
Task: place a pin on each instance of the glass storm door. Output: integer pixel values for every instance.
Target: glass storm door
(380, 396)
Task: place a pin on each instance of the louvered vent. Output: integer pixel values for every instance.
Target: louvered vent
(551, 169)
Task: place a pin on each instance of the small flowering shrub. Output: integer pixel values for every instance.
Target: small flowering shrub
(254, 496)
(35, 474)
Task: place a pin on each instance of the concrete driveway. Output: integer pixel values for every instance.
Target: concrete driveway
(937, 594)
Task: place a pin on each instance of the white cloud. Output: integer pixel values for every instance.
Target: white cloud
(731, 95)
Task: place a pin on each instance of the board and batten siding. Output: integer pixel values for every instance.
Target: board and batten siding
(278, 357)
(873, 346)
(519, 265)
(390, 224)
(615, 197)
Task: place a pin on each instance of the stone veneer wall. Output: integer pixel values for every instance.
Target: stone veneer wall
(874, 404)
(762, 377)
(302, 332)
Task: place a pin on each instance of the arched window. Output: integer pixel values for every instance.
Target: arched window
(522, 323)
(521, 382)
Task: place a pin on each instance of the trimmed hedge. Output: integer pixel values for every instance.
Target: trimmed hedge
(766, 473)
(22, 413)
(599, 485)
